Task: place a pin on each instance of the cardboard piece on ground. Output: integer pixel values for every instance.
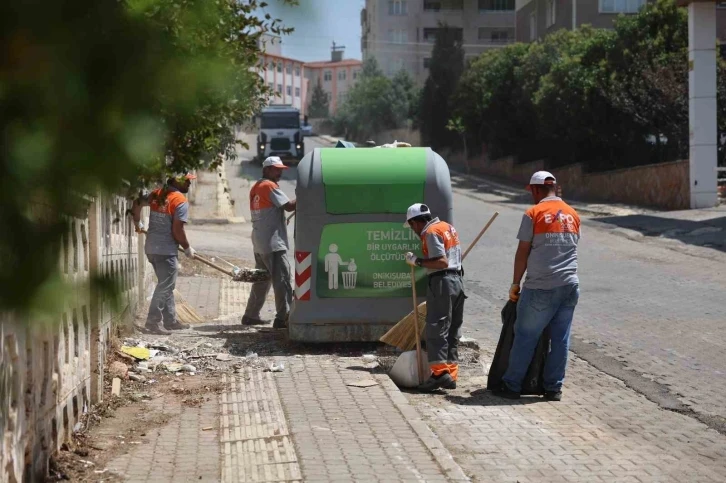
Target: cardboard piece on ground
(116, 386)
(363, 383)
(139, 353)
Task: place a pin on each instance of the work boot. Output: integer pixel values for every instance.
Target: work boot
(176, 325)
(252, 321)
(156, 328)
(553, 395)
(280, 323)
(444, 381)
(506, 393)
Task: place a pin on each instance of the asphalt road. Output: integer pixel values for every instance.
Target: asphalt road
(649, 315)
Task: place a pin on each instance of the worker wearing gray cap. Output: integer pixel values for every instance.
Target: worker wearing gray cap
(268, 204)
(444, 297)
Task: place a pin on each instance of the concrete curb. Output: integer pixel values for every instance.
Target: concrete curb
(225, 203)
(428, 438)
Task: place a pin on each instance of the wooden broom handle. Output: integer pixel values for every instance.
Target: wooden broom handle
(419, 360)
(486, 227)
(210, 264)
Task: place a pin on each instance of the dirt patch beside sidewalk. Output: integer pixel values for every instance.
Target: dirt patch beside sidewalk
(195, 268)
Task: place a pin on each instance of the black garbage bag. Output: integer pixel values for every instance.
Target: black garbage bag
(533, 382)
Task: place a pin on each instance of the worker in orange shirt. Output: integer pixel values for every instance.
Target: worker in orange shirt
(444, 297)
(268, 204)
(168, 215)
(548, 238)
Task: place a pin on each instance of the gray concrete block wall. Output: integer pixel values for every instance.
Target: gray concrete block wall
(51, 370)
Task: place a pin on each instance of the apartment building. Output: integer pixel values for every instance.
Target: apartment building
(400, 34)
(537, 18)
(292, 80)
(283, 75)
(337, 76)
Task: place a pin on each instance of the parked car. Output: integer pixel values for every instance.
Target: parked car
(307, 129)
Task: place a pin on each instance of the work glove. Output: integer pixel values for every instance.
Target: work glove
(190, 252)
(514, 292)
(140, 227)
(411, 259)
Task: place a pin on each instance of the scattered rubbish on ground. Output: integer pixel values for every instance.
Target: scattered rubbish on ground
(138, 353)
(223, 357)
(363, 383)
(275, 368)
(116, 386)
(208, 428)
(118, 369)
(469, 342)
(368, 358)
(136, 377)
(405, 371)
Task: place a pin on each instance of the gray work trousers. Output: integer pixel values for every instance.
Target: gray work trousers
(162, 303)
(444, 317)
(277, 264)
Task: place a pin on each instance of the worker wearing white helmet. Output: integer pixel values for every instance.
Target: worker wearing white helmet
(444, 297)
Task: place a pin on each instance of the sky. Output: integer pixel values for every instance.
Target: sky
(317, 24)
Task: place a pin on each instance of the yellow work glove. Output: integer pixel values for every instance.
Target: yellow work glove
(514, 292)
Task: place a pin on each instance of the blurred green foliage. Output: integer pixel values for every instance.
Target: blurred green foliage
(609, 98)
(376, 103)
(106, 96)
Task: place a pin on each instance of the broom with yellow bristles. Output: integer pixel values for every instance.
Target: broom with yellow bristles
(403, 334)
(185, 312)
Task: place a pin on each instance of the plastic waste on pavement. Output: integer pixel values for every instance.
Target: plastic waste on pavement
(533, 381)
(404, 372)
(138, 353)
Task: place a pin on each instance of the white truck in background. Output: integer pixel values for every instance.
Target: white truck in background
(280, 133)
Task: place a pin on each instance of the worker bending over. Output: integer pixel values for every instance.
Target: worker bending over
(444, 297)
(169, 213)
(268, 204)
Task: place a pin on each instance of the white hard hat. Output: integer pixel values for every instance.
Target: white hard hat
(416, 210)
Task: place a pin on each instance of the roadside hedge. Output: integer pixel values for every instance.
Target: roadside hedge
(608, 98)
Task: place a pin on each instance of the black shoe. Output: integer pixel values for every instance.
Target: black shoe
(279, 324)
(506, 393)
(176, 325)
(443, 381)
(250, 321)
(553, 395)
(156, 329)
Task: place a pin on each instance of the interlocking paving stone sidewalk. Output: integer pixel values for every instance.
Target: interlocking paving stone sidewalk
(600, 431)
(256, 443)
(179, 451)
(345, 433)
(202, 293)
(233, 298)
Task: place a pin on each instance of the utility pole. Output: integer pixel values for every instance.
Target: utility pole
(702, 101)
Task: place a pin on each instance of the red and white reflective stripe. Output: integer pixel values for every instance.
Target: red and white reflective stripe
(303, 273)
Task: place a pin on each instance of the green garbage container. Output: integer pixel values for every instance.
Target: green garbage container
(351, 280)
